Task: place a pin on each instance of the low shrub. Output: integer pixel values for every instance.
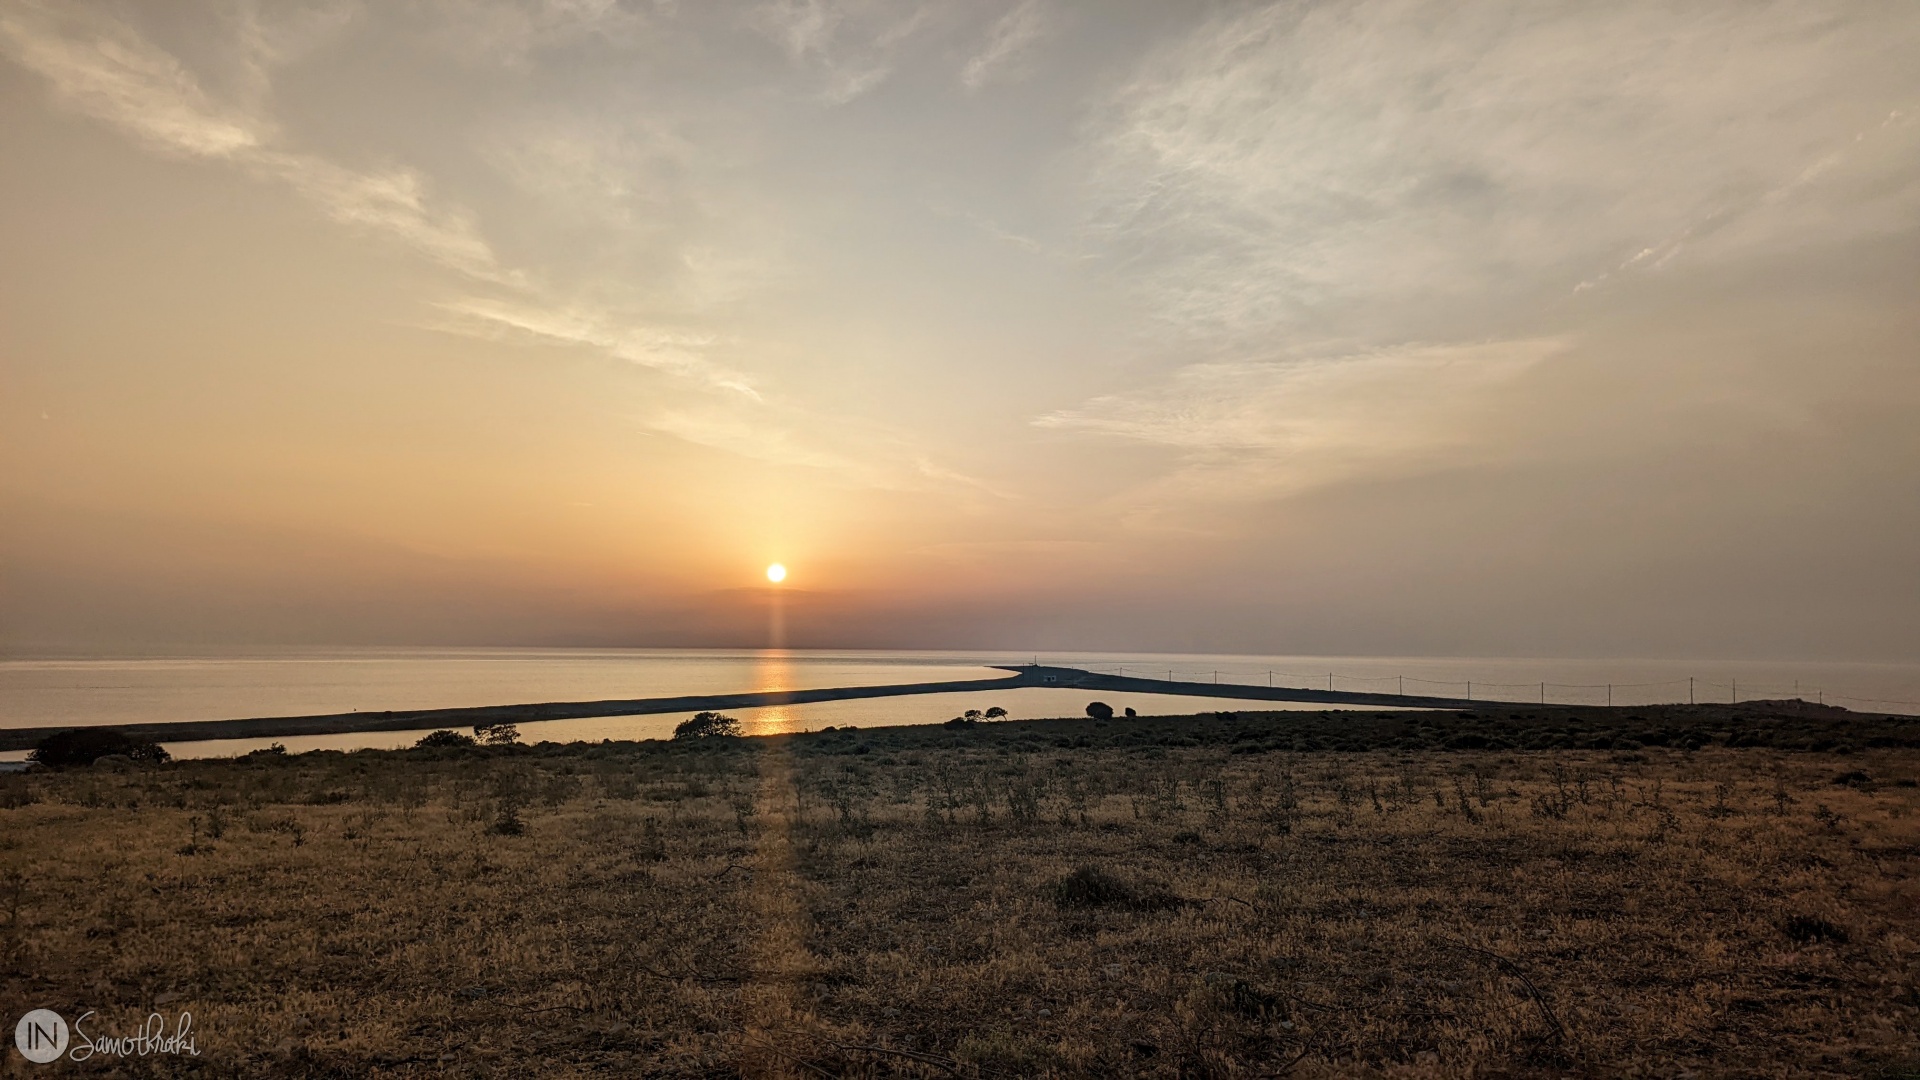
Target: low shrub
(15, 792)
(707, 725)
(496, 734)
(1807, 929)
(1092, 887)
(84, 746)
(444, 740)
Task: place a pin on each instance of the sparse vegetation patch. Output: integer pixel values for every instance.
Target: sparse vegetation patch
(1073, 898)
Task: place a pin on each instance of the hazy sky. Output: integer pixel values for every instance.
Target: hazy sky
(1396, 327)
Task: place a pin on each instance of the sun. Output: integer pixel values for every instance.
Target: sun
(776, 573)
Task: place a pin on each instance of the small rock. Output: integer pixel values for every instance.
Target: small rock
(1044, 1013)
(1426, 1057)
(889, 1013)
(167, 998)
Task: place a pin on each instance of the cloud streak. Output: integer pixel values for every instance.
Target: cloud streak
(857, 455)
(103, 68)
(1260, 429)
(1296, 167)
(1011, 35)
(851, 44)
(662, 351)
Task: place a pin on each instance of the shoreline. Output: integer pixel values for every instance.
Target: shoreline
(1025, 676)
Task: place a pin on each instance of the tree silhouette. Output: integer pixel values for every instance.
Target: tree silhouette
(443, 739)
(496, 734)
(85, 745)
(705, 725)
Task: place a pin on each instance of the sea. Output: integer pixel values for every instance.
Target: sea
(59, 690)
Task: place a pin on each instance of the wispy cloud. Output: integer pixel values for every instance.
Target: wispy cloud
(856, 454)
(1297, 165)
(850, 43)
(102, 67)
(655, 200)
(617, 174)
(582, 326)
(395, 204)
(944, 476)
(1011, 35)
(512, 32)
(1859, 188)
(1257, 429)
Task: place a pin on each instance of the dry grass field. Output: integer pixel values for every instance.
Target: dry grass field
(1058, 898)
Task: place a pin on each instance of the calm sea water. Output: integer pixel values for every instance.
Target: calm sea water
(45, 691)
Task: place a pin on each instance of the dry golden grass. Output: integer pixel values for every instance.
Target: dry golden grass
(925, 903)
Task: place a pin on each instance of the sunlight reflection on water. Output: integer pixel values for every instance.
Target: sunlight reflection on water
(59, 691)
(773, 672)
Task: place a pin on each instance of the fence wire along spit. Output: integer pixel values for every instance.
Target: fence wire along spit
(1675, 691)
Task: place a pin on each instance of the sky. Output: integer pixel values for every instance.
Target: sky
(1380, 327)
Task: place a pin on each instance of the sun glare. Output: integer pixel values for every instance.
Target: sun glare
(776, 573)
